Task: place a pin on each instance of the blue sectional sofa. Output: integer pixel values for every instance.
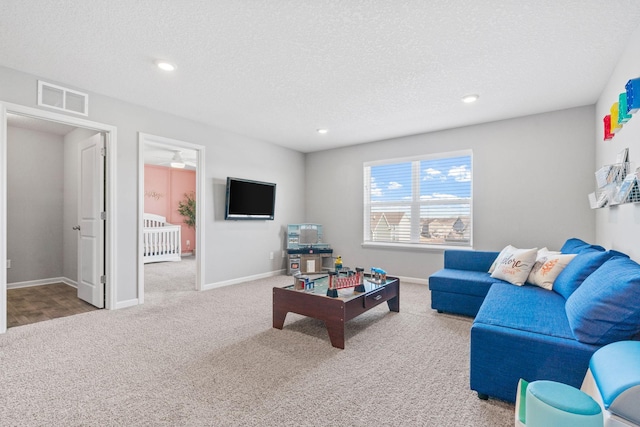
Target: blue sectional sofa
(461, 286)
(534, 333)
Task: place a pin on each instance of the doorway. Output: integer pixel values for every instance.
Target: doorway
(44, 278)
(105, 266)
(178, 168)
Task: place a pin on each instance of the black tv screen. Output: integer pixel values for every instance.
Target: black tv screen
(247, 199)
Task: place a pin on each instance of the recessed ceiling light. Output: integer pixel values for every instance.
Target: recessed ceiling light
(323, 131)
(468, 99)
(165, 65)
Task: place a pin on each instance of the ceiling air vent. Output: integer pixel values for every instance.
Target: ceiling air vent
(61, 98)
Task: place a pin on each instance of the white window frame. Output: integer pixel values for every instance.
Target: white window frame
(415, 203)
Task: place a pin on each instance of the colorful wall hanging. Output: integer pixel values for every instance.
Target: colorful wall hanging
(621, 112)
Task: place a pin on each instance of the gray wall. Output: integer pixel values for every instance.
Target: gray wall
(531, 180)
(35, 184)
(245, 246)
(618, 227)
(233, 249)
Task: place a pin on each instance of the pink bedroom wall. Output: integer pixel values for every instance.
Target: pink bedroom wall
(157, 186)
(164, 187)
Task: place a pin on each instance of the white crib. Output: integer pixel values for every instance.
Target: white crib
(161, 240)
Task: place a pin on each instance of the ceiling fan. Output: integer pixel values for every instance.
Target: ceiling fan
(178, 159)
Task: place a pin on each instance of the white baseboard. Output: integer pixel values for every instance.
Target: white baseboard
(70, 282)
(40, 282)
(412, 280)
(242, 280)
(66, 281)
(125, 304)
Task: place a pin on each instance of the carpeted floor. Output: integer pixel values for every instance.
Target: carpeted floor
(212, 359)
(164, 281)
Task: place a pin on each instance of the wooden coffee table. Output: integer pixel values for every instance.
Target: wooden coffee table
(334, 312)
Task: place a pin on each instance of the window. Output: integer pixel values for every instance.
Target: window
(423, 201)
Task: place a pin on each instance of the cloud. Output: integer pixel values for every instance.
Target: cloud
(394, 185)
(460, 173)
(439, 196)
(432, 173)
(375, 190)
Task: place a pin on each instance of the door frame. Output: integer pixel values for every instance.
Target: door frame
(168, 143)
(110, 194)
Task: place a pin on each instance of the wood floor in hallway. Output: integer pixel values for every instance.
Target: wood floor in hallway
(38, 303)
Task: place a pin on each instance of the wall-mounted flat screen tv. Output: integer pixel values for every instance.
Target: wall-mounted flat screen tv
(247, 199)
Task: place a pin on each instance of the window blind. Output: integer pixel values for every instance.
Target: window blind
(425, 200)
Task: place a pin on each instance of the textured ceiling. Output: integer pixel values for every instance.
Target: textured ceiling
(277, 70)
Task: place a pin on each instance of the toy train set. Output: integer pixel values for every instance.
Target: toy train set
(344, 278)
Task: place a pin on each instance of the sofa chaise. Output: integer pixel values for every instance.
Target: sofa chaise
(533, 332)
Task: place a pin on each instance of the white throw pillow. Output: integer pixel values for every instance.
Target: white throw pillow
(545, 251)
(514, 265)
(495, 262)
(547, 267)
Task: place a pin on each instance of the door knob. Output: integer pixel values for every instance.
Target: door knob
(77, 227)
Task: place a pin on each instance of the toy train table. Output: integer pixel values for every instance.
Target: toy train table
(349, 296)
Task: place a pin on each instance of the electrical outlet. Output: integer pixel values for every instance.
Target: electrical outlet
(271, 255)
(8, 263)
(284, 254)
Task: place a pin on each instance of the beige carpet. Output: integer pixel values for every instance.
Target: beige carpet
(168, 280)
(212, 359)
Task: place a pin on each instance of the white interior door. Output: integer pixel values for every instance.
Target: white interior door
(91, 226)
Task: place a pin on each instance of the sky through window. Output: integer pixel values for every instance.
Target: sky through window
(440, 179)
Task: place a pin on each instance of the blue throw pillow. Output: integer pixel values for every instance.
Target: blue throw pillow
(579, 269)
(591, 248)
(606, 307)
(573, 246)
